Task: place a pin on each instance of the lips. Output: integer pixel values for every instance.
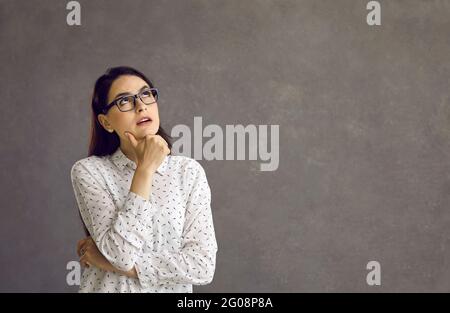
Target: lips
(144, 120)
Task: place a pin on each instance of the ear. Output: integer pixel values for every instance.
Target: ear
(103, 120)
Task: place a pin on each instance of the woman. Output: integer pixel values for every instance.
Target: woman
(146, 212)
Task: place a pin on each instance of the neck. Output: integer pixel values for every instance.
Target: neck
(128, 151)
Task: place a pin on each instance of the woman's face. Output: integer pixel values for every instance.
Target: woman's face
(118, 121)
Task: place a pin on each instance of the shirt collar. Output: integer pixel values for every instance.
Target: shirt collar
(121, 161)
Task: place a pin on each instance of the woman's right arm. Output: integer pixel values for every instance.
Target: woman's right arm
(119, 233)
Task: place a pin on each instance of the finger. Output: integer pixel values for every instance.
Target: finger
(84, 247)
(78, 248)
(84, 262)
(149, 137)
(88, 244)
(165, 143)
(82, 251)
(166, 147)
(160, 140)
(131, 138)
(79, 245)
(80, 242)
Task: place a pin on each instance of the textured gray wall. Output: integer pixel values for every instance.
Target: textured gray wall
(364, 119)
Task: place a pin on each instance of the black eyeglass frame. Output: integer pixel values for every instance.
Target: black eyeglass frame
(115, 101)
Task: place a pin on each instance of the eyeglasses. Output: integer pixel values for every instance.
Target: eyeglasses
(128, 103)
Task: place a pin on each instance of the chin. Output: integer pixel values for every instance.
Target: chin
(150, 131)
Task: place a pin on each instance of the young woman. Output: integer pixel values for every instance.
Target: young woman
(146, 212)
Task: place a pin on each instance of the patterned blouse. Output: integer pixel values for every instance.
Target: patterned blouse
(169, 239)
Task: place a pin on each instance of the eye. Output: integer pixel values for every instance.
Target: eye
(123, 101)
(146, 93)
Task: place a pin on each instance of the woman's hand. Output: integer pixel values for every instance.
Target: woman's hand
(90, 256)
(150, 151)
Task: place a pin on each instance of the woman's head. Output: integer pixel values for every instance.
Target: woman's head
(113, 111)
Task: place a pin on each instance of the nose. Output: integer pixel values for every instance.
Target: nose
(140, 106)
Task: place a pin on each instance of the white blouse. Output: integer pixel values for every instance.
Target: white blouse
(169, 239)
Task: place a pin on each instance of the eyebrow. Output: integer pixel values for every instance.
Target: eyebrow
(128, 93)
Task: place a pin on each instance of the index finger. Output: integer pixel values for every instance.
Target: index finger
(131, 138)
(79, 245)
(162, 139)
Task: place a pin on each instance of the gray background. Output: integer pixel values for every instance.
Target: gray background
(364, 121)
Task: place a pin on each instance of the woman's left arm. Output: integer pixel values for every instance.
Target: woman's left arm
(90, 255)
(195, 262)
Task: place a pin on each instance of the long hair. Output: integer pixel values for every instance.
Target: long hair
(103, 142)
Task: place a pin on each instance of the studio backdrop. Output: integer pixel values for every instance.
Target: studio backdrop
(323, 128)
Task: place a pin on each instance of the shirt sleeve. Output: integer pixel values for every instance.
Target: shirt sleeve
(195, 261)
(119, 232)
